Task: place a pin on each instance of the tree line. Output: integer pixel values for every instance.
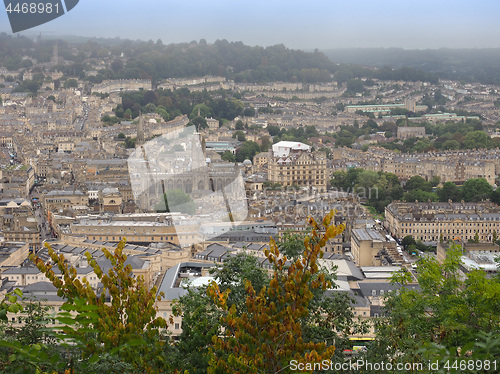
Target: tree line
(379, 189)
(232, 60)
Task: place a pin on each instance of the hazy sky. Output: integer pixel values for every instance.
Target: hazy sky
(303, 24)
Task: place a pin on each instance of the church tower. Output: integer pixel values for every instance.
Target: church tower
(139, 140)
(55, 55)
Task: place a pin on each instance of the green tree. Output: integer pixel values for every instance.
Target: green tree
(247, 150)
(476, 189)
(204, 111)
(128, 114)
(199, 123)
(240, 135)
(450, 144)
(476, 139)
(149, 108)
(109, 121)
(266, 143)
(239, 125)
(445, 310)
(125, 324)
(233, 276)
(339, 180)
(449, 191)
(291, 245)
(200, 322)
(162, 112)
(201, 318)
(495, 196)
(178, 200)
(249, 112)
(355, 86)
(476, 237)
(407, 241)
(418, 183)
(435, 180)
(129, 142)
(412, 249)
(30, 347)
(273, 130)
(71, 83)
(228, 156)
(366, 179)
(420, 195)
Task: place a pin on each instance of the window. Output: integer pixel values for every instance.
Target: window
(177, 326)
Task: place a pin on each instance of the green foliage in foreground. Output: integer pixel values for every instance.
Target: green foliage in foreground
(117, 330)
(448, 318)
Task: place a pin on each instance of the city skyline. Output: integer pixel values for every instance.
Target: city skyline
(296, 24)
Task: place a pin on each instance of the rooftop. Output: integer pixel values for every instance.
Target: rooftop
(367, 234)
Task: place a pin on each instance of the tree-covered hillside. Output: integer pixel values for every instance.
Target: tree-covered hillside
(470, 65)
(126, 59)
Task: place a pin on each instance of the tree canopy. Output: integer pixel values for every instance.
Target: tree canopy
(444, 315)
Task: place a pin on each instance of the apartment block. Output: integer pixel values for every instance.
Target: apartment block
(433, 221)
(293, 163)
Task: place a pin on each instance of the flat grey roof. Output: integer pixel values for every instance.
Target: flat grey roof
(168, 284)
(367, 234)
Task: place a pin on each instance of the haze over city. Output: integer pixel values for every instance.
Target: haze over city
(249, 187)
(297, 24)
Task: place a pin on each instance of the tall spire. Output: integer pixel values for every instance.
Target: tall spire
(55, 54)
(139, 140)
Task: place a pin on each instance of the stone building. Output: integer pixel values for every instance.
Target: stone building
(369, 246)
(298, 167)
(433, 221)
(405, 132)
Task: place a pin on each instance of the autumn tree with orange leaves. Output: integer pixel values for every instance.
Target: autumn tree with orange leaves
(268, 335)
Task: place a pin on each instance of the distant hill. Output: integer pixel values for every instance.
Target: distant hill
(138, 59)
(481, 65)
(126, 59)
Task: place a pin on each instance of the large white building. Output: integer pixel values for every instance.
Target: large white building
(283, 148)
(293, 163)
